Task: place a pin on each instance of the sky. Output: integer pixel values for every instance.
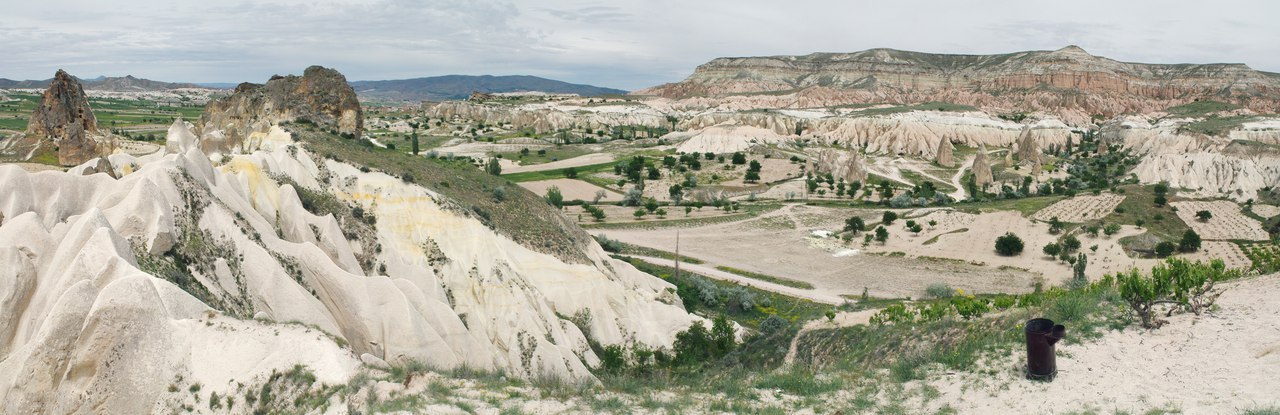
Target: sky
(621, 44)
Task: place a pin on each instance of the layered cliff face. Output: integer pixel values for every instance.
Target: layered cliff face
(320, 96)
(177, 270)
(1067, 82)
(62, 123)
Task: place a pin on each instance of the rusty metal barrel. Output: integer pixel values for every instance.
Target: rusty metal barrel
(1042, 334)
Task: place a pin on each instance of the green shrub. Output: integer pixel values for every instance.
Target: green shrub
(940, 290)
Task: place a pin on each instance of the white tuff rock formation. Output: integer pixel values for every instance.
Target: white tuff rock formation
(108, 287)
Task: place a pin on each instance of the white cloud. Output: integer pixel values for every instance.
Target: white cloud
(626, 44)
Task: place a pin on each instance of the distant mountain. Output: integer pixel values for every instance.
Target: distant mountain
(446, 87)
(1068, 81)
(127, 83)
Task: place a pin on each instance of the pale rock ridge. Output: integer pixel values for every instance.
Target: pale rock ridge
(543, 119)
(1237, 166)
(915, 133)
(453, 292)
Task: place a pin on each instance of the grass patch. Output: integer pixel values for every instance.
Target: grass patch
(1027, 205)
(1200, 108)
(558, 173)
(768, 278)
(545, 155)
(624, 248)
(1216, 126)
(1139, 205)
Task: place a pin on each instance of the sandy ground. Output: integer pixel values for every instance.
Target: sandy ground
(976, 244)
(1080, 209)
(139, 148)
(1228, 221)
(583, 160)
(571, 189)
(1227, 361)
(1266, 211)
(1227, 251)
(782, 243)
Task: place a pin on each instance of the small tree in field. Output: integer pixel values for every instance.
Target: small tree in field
(855, 225)
(1204, 215)
(889, 217)
(1052, 249)
(1190, 241)
(554, 197)
(1009, 244)
(882, 234)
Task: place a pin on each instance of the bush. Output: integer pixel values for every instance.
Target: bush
(1165, 248)
(889, 217)
(940, 290)
(1185, 285)
(1009, 244)
(1052, 249)
(1204, 215)
(554, 197)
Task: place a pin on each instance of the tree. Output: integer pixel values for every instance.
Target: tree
(739, 158)
(1055, 225)
(1009, 244)
(1078, 280)
(676, 192)
(1204, 215)
(554, 197)
(571, 173)
(1052, 249)
(1111, 229)
(1160, 200)
(1190, 241)
(882, 234)
(1165, 248)
(414, 137)
(493, 167)
(639, 213)
(915, 228)
(889, 217)
(854, 224)
(650, 204)
(752, 176)
(1070, 243)
(653, 173)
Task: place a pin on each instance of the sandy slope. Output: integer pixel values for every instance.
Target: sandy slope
(1223, 362)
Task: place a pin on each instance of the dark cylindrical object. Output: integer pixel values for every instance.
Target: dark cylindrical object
(1041, 336)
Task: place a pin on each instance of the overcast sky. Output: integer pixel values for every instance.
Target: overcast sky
(621, 44)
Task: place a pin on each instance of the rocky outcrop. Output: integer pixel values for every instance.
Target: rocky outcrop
(847, 165)
(234, 124)
(982, 168)
(63, 123)
(946, 150)
(1028, 148)
(111, 289)
(1237, 166)
(1067, 82)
